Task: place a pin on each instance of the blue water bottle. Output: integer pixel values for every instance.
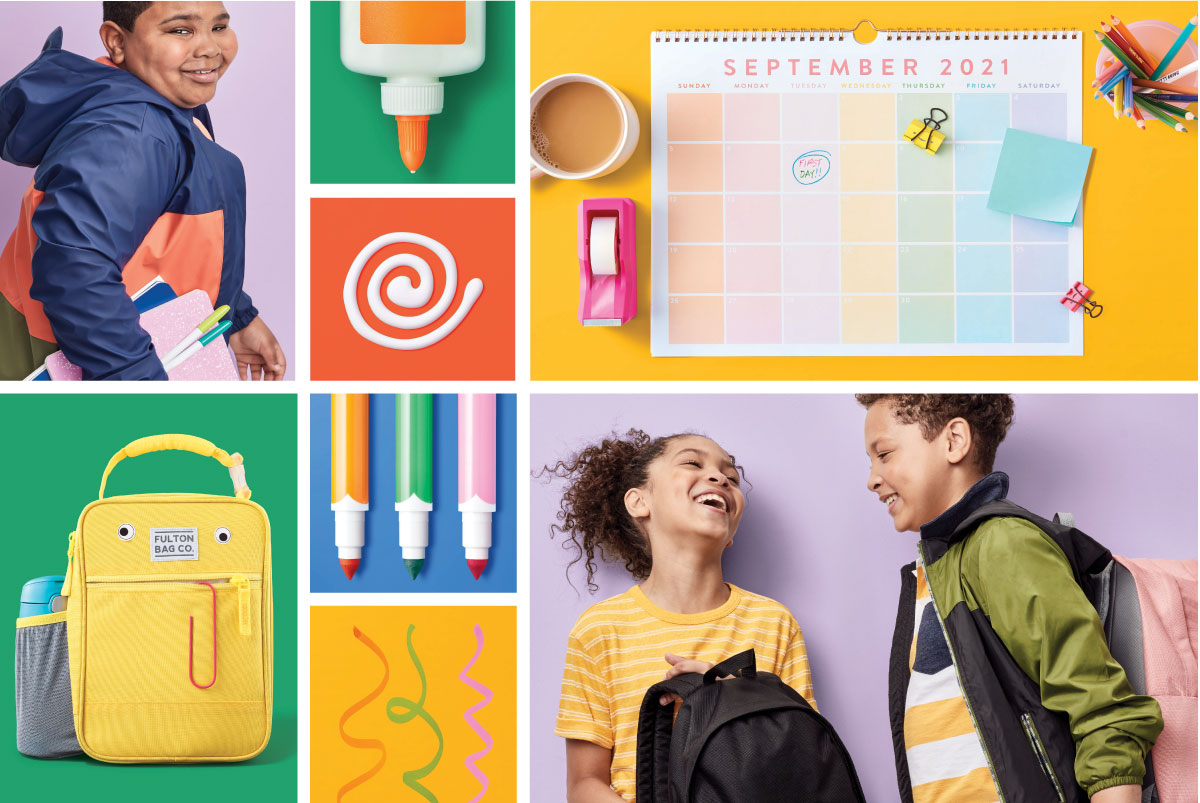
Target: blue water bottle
(42, 595)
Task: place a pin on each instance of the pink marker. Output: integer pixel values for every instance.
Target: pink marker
(477, 475)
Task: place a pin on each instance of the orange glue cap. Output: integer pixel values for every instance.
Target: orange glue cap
(412, 130)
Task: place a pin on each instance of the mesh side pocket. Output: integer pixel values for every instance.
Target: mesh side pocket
(45, 726)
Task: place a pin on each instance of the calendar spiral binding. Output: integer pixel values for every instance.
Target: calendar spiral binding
(844, 34)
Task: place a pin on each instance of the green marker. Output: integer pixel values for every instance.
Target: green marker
(414, 476)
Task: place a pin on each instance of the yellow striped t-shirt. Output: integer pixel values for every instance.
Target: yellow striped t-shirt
(946, 762)
(615, 652)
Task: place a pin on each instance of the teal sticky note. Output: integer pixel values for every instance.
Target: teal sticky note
(1039, 177)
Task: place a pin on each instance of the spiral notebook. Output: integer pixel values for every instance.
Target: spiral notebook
(790, 217)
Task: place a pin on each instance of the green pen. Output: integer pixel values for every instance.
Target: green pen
(414, 476)
(205, 339)
(194, 335)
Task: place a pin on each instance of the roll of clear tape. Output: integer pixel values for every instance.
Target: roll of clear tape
(602, 246)
(403, 293)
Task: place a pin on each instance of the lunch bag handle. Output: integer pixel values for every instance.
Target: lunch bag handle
(183, 443)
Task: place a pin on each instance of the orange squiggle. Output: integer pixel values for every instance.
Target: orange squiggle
(365, 744)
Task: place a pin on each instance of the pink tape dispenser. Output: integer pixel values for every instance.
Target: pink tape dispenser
(607, 261)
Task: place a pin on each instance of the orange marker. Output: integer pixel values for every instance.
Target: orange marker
(348, 472)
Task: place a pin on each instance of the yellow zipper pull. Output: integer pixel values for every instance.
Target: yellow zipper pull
(66, 589)
(243, 587)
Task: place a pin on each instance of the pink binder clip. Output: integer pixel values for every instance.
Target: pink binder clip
(607, 261)
(1079, 295)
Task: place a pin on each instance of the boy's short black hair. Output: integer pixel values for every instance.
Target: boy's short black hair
(988, 414)
(124, 13)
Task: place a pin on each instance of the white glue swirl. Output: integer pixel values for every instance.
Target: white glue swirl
(403, 293)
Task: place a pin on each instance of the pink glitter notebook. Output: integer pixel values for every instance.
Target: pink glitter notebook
(167, 324)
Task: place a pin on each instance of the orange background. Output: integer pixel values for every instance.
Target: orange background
(478, 232)
(343, 671)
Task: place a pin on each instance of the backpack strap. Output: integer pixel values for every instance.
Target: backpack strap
(741, 663)
(655, 722)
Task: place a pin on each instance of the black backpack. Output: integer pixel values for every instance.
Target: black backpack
(747, 739)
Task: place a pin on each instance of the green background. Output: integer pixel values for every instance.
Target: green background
(471, 141)
(56, 448)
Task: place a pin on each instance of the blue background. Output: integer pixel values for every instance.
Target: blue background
(382, 568)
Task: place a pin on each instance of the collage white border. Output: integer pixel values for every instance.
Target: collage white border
(303, 386)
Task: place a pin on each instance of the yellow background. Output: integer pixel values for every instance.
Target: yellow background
(1140, 204)
(344, 670)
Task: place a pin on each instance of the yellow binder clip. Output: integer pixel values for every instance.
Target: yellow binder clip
(925, 134)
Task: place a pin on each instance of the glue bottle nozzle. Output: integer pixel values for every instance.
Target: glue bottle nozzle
(412, 131)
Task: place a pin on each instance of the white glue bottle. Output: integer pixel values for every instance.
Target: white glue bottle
(412, 45)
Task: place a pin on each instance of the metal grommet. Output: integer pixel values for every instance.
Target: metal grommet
(126, 532)
(222, 535)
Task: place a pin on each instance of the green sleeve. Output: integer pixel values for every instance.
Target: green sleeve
(1023, 583)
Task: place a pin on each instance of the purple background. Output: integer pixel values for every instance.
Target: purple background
(817, 541)
(254, 117)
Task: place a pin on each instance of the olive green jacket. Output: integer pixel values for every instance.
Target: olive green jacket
(1054, 711)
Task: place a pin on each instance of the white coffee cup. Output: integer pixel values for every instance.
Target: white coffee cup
(621, 151)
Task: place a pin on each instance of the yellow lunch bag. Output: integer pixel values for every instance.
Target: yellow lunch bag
(168, 620)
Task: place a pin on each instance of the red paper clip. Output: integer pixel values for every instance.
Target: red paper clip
(1079, 295)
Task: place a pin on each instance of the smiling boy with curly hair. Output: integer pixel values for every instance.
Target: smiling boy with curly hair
(1001, 684)
(129, 186)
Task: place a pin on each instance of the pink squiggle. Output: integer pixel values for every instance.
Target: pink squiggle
(471, 760)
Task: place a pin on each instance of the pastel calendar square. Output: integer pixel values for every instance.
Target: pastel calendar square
(697, 269)
(752, 167)
(868, 167)
(851, 240)
(753, 319)
(751, 118)
(811, 320)
(808, 218)
(753, 269)
(695, 168)
(811, 268)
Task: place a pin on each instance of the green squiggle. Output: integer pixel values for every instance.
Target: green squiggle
(417, 709)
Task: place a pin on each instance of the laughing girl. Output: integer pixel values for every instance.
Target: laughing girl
(667, 508)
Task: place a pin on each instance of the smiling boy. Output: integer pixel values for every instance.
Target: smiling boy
(1001, 684)
(129, 185)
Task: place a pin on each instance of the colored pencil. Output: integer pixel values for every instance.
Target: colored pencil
(1187, 69)
(1108, 72)
(1119, 98)
(1132, 40)
(1138, 118)
(1116, 79)
(1112, 68)
(1168, 98)
(1158, 115)
(1128, 100)
(1120, 42)
(1113, 82)
(1183, 37)
(1116, 51)
(1163, 86)
(1166, 107)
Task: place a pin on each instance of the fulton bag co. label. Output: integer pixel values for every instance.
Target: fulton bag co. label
(174, 543)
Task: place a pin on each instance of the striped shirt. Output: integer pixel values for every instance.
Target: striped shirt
(946, 762)
(615, 652)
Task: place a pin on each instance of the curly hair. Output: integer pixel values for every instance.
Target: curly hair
(592, 510)
(124, 14)
(988, 414)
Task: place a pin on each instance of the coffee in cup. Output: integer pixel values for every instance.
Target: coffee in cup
(580, 127)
